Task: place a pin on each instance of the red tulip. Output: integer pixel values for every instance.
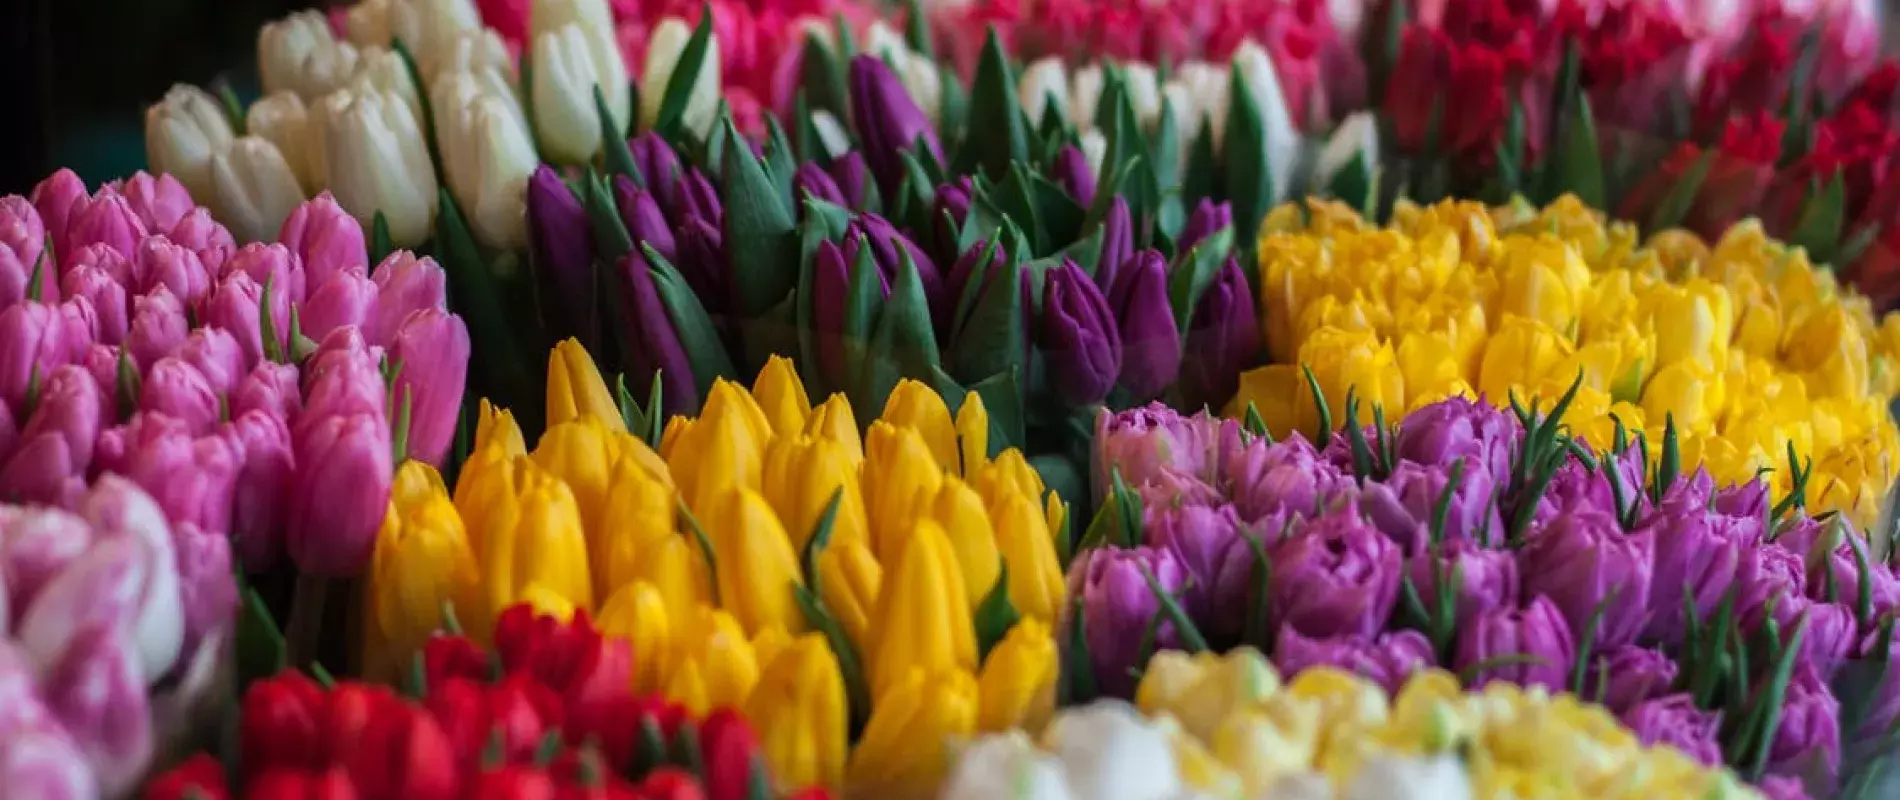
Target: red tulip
(279, 722)
(200, 777)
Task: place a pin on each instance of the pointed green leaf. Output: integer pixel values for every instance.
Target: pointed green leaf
(996, 137)
(704, 351)
(759, 232)
(671, 122)
(995, 615)
(1823, 214)
(1249, 167)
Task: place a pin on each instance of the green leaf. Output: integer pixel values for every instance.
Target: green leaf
(995, 615)
(425, 115)
(1003, 397)
(671, 122)
(128, 386)
(1770, 701)
(1060, 214)
(1016, 199)
(1259, 593)
(781, 161)
(1249, 167)
(1194, 272)
(650, 752)
(758, 232)
(850, 663)
(1164, 150)
(822, 75)
(1077, 686)
(696, 332)
(617, 158)
(917, 30)
(1203, 168)
(992, 339)
(820, 538)
(502, 366)
(1676, 205)
(233, 108)
(955, 108)
(904, 343)
(1823, 214)
(379, 244)
(1319, 403)
(1191, 639)
(1579, 162)
(996, 137)
(261, 649)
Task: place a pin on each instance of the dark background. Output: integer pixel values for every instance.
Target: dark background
(76, 75)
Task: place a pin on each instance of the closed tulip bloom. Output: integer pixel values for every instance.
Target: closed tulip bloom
(901, 479)
(253, 189)
(575, 388)
(799, 706)
(563, 249)
(1118, 605)
(1207, 219)
(191, 476)
(834, 420)
(421, 562)
(1336, 576)
(1017, 686)
(378, 162)
(45, 761)
(158, 201)
(813, 182)
(431, 28)
(922, 621)
(346, 299)
(831, 281)
(433, 347)
(960, 510)
(216, 355)
(232, 305)
(56, 445)
(283, 119)
(487, 154)
(565, 77)
(300, 54)
(640, 508)
(343, 377)
(532, 538)
(889, 246)
(641, 211)
(1005, 765)
(755, 566)
(849, 582)
(725, 446)
(915, 405)
(105, 218)
(99, 287)
(1035, 574)
(800, 476)
(261, 486)
(1078, 335)
(901, 753)
(637, 613)
(657, 344)
(888, 120)
(183, 133)
(664, 46)
(325, 238)
(1537, 633)
(160, 262)
(717, 667)
(97, 694)
(340, 487)
(781, 395)
(405, 283)
(40, 543)
(1151, 343)
(1072, 173)
(178, 390)
(1222, 340)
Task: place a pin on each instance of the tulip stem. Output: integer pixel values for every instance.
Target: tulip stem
(305, 630)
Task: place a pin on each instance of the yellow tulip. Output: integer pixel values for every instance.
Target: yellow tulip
(486, 481)
(901, 480)
(768, 642)
(1343, 360)
(1200, 770)
(725, 446)
(960, 512)
(915, 405)
(531, 536)
(1275, 391)
(849, 579)
(800, 475)
(973, 434)
(1266, 742)
(638, 613)
(781, 396)
(902, 752)
(1201, 689)
(576, 390)
(1430, 368)
(1350, 706)
(1035, 575)
(1521, 354)
(1686, 391)
(1544, 279)
(640, 512)
(582, 452)
(833, 420)
(923, 617)
(753, 562)
(1695, 320)
(421, 563)
(1616, 366)
(714, 666)
(1008, 472)
(496, 426)
(1017, 687)
(799, 710)
(1830, 353)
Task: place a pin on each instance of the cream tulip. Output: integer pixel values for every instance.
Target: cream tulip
(183, 132)
(253, 189)
(1144, 94)
(283, 119)
(383, 70)
(596, 25)
(1262, 82)
(299, 54)
(1358, 135)
(563, 92)
(430, 28)
(1085, 96)
(664, 47)
(1044, 82)
(487, 154)
(379, 162)
(366, 24)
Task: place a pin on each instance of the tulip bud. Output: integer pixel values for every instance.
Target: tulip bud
(922, 706)
(563, 246)
(215, 354)
(384, 72)
(97, 693)
(378, 162)
(1017, 688)
(1079, 337)
(1356, 136)
(404, 283)
(178, 390)
(183, 133)
(253, 188)
(888, 121)
(814, 182)
(36, 344)
(40, 542)
(204, 235)
(343, 377)
(431, 28)
(339, 488)
(22, 229)
(273, 265)
(575, 388)
(1151, 343)
(234, 305)
(283, 120)
(641, 212)
(54, 199)
(566, 75)
(1223, 339)
(299, 54)
(191, 477)
(262, 443)
(105, 218)
(421, 561)
(665, 45)
(348, 298)
(660, 347)
(1074, 174)
(159, 202)
(922, 621)
(16, 276)
(1025, 539)
(325, 238)
(799, 705)
(487, 154)
(433, 347)
(758, 568)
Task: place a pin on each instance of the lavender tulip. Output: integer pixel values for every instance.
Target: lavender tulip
(1529, 646)
(325, 238)
(1335, 576)
(1206, 220)
(159, 326)
(1487, 579)
(178, 390)
(159, 202)
(339, 491)
(1118, 244)
(1807, 741)
(1146, 441)
(96, 689)
(1629, 675)
(1676, 721)
(1697, 551)
(1285, 476)
(1170, 489)
(347, 297)
(1444, 432)
(1587, 565)
(1387, 660)
(1118, 604)
(1071, 172)
(1208, 543)
(433, 349)
(1223, 339)
(404, 283)
(1151, 343)
(1769, 580)
(654, 342)
(1078, 337)
(1405, 505)
(190, 476)
(888, 122)
(1831, 634)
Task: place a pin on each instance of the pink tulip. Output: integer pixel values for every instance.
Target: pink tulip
(9, 434)
(121, 584)
(433, 348)
(272, 265)
(262, 441)
(162, 262)
(206, 588)
(326, 238)
(344, 376)
(32, 345)
(213, 243)
(16, 275)
(105, 218)
(56, 448)
(339, 491)
(21, 230)
(158, 327)
(191, 477)
(216, 354)
(38, 544)
(175, 388)
(102, 363)
(406, 283)
(96, 689)
(348, 297)
(55, 198)
(271, 388)
(106, 294)
(233, 305)
(42, 762)
(159, 202)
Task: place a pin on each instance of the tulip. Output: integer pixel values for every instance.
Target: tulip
(1588, 566)
(717, 667)
(269, 387)
(1207, 219)
(1078, 335)
(645, 217)
(901, 752)
(40, 543)
(159, 202)
(664, 48)
(160, 262)
(325, 238)
(1109, 751)
(575, 388)
(270, 264)
(261, 441)
(233, 305)
(46, 762)
(960, 510)
(56, 446)
(800, 476)
(1676, 721)
(1073, 174)
(1118, 604)
(638, 614)
(900, 479)
(799, 704)
(105, 218)
(923, 622)
(1535, 634)
(831, 281)
(1807, 742)
(183, 133)
(754, 563)
(99, 287)
(724, 447)
(1487, 579)
(658, 165)
(1151, 343)
(1043, 87)
(35, 346)
(433, 347)
(781, 395)
(566, 75)
(914, 405)
(850, 580)
(888, 121)
(347, 299)
(530, 540)
(1336, 576)
(379, 163)
(1200, 690)
(563, 249)
(813, 182)
(404, 284)
(283, 119)
(178, 390)
(487, 154)
(121, 586)
(1016, 688)
(1389, 660)
(420, 562)
(343, 377)
(207, 590)
(300, 54)
(340, 486)
(1222, 340)
(189, 474)
(1028, 548)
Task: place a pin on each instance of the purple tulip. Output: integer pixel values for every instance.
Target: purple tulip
(232, 305)
(1078, 337)
(272, 388)
(654, 343)
(204, 235)
(216, 355)
(1487, 579)
(1208, 543)
(55, 199)
(55, 449)
(1118, 604)
(1577, 485)
(1071, 172)
(1585, 564)
(1405, 505)
(1769, 580)
(970, 265)
(33, 343)
(97, 692)
(23, 232)
(1842, 569)
(205, 585)
(105, 218)
(1747, 500)
(831, 291)
(1146, 441)
(1151, 343)
(854, 178)
(1444, 432)
(1335, 576)
(1676, 721)
(404, 283)
(888, 121)
(325, 238)
(339, 491)
(1629, 675)
(947, 216)
(433, 349)
(42, 762)
(1831, 633)
(1118, 245)
(1223, 339)
(262, 442)
(645, 221)
(36, 544)
(1698, 551)
(1176, 489)
(814, 182)
(702, 262)
(347, 298)
(1206, 220)
(343, 377)
(190, 476)
(659, 166)
(1285, 476)
(159, 202)
(1387, 660)
(272, 265)
(1529, 646)
(106, 295)
(694, 196)
(888, 245)
(1807, 742)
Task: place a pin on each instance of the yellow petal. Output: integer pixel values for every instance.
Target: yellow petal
(575, 388)
(781, 396)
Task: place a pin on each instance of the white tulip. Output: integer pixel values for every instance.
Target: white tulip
(1094, 148)
(925, 86)
(1044, 82)
(1303, 785)
(1262, 81)
(831, 133)
(1203, 98)
(487, 154)
(183, 132)
(663, 54)
(1358, 135)
(1085, 96)
(366, 24)
(379, 162)
(548, 15)
(284, 120)
(253, 189)
(430, 28)
(883, 41)
(383, 70)
(596, 22)
(1390, 777)
(1109, 753)
(299, 53)
(563, 92)
(479, 51)
(1005, 766)
(1144, 94)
